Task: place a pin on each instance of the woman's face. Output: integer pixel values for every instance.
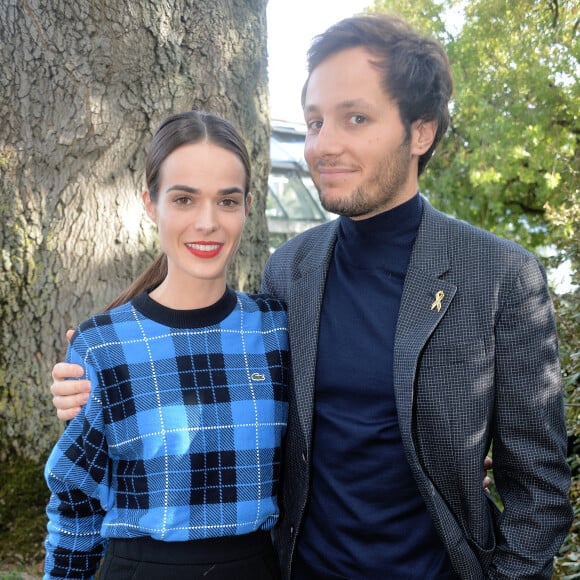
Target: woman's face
(200, 214)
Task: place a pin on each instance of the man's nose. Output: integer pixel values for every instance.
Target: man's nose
(326, 142)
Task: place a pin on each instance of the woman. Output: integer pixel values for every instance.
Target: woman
(172, 467)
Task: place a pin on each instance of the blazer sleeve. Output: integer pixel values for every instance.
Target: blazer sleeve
(274, 281)
(529, 432)
(265, 286)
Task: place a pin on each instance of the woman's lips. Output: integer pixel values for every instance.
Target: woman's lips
(204, 249)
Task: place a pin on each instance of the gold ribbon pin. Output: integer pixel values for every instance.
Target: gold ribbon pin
(438, 298)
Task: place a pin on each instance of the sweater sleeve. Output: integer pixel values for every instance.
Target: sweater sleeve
(77, 474)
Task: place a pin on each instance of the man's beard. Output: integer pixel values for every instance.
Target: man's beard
(378, 192)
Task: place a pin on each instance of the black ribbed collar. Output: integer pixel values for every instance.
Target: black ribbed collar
(196, 318)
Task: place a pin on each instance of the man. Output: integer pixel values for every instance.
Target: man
(417, 341)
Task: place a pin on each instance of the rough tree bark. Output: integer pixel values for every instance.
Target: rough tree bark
(83, 85)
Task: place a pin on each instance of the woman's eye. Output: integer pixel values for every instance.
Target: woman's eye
(228, 202)
(182, 200)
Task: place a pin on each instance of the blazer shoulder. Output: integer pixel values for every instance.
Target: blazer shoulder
(463, 238)
(310, 250)
(310, 246)
(261, 302)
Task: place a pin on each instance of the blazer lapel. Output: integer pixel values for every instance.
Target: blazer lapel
(426, 298)
(304, 304)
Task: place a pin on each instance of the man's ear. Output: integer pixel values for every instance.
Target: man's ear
(149, 206)
(423, 134)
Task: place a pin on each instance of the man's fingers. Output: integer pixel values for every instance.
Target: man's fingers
(64, 389)
(487, 464)
(486, 484)
(68, 414)
(69, 402)
(62, 371)
(69, 394)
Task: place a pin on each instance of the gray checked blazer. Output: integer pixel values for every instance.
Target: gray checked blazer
(483, 368)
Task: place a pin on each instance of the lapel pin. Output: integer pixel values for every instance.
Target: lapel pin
(438, 298)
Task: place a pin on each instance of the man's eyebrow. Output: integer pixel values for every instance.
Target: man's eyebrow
(353, 104)
(344, 105)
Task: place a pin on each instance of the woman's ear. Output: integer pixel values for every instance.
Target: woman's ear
(248, 203)
(149, 206)
(423, 134)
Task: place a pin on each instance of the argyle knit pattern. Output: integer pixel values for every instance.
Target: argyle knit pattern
(181, 437)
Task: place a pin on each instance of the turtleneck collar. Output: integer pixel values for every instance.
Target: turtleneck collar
(371, 241)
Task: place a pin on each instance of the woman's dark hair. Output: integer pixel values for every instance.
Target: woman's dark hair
(185, 128)
(188, 128)
(415, 68)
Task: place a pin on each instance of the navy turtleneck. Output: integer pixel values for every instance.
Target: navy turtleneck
(366, 518)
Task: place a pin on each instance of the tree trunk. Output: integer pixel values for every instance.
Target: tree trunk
(83, 87)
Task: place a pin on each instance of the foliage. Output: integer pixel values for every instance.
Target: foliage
(511, 160)
(23, 497)
(513, 143)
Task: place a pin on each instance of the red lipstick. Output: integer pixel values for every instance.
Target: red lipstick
(205, 249)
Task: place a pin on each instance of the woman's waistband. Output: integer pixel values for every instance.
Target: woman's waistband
(222, 549)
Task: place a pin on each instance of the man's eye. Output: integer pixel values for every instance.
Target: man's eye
(314, 125)
(182, 200)
(357, 119)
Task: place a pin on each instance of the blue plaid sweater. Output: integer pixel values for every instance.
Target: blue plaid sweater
(181, 437)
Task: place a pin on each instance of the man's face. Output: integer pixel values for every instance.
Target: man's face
(361, 158)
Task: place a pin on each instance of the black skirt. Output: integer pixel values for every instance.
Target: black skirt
(246, 557)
